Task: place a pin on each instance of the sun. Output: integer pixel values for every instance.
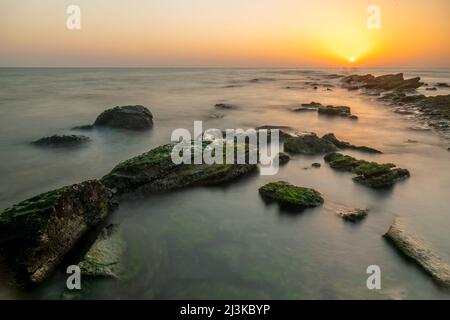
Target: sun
(351, 59)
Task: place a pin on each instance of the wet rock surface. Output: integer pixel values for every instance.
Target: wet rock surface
(155, 171)
(291, 197)
(225, 106)
(308, 144)
(135, 117)
(370, 174)
(283, 158)
(37, 233)
(61, 141)
(419, 252)
(353, 215)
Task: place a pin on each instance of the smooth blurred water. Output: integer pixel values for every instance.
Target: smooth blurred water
(224, 242)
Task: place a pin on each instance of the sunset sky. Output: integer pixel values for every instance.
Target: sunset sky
(253, 33)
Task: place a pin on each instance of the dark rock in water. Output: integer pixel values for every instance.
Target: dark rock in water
(431, 89)
(353, 215)
(436, 107)
(217, 116)
(370, 174)
(283, 158)
(62, 140)
(316, 165)
(346, 145)
(85, 127)
(416, 250)
(155, 171)
(448, 149)
(411, 141)
(341, 111)
(312, 106)
(37, 233)
(126, 117)
(290, 196)
(442, 85)
(309, 144)
(399, 97)
(225, 106)
(384, 82)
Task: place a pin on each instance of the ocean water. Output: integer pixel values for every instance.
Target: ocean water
(225, 242)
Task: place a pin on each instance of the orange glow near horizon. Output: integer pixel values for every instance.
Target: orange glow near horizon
(320, 33)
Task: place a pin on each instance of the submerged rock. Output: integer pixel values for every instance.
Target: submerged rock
(37, 233)
(309, 144)
(346, 145)
(316, 165)
(225, 106)
(284, 131)
(312, 106)
(383, 83)
(155, 171)
(353, 215)
(442, 85)
(290, 196)
(416, 250)
(126, 117)
(283, 158)
(371, 174)
(85, 127)
(340, 111)
(61, 140)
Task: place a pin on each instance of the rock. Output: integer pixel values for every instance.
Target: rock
(37, 233)
(353, 215)
(312, 106)
(225, 106)
(308, 143)
(283, 158)
(431, 89)
(346, 145)
(416, 250)
(61, 140)
(411, 141)
(316, 165)
(341, 111)
(104, 258)
(436, 107)
(126, 117)
(448, 149)
(290, 196)
(383, 83)
(155, 171)
(442, 85)
(371, 174)
(217, 116)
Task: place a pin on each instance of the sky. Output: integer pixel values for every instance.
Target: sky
(225, 33)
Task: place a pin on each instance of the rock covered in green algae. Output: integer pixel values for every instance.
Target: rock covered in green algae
(416, 250)
(308, 144)
(291, 196)
(36, 234)
(346, 145)
(353, 215)
(126, 117)
(61, 140)
(371, 174)
(155, 171)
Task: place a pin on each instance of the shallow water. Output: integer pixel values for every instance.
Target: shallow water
(225, 242)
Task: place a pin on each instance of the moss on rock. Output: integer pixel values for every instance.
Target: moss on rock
(308, 144)
(37, 233)
(371, 174)
(290, 196)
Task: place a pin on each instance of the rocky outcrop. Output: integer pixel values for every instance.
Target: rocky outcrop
(382, 83)
(126, 117)
(312, 106)
(283, 158)
(155, 171)
(284, 131)
(346, 145)
(416, 250)
(308, 144)
(37, 233)
(371, 174)
(353, 215)
(61, 141)
(289, 196)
